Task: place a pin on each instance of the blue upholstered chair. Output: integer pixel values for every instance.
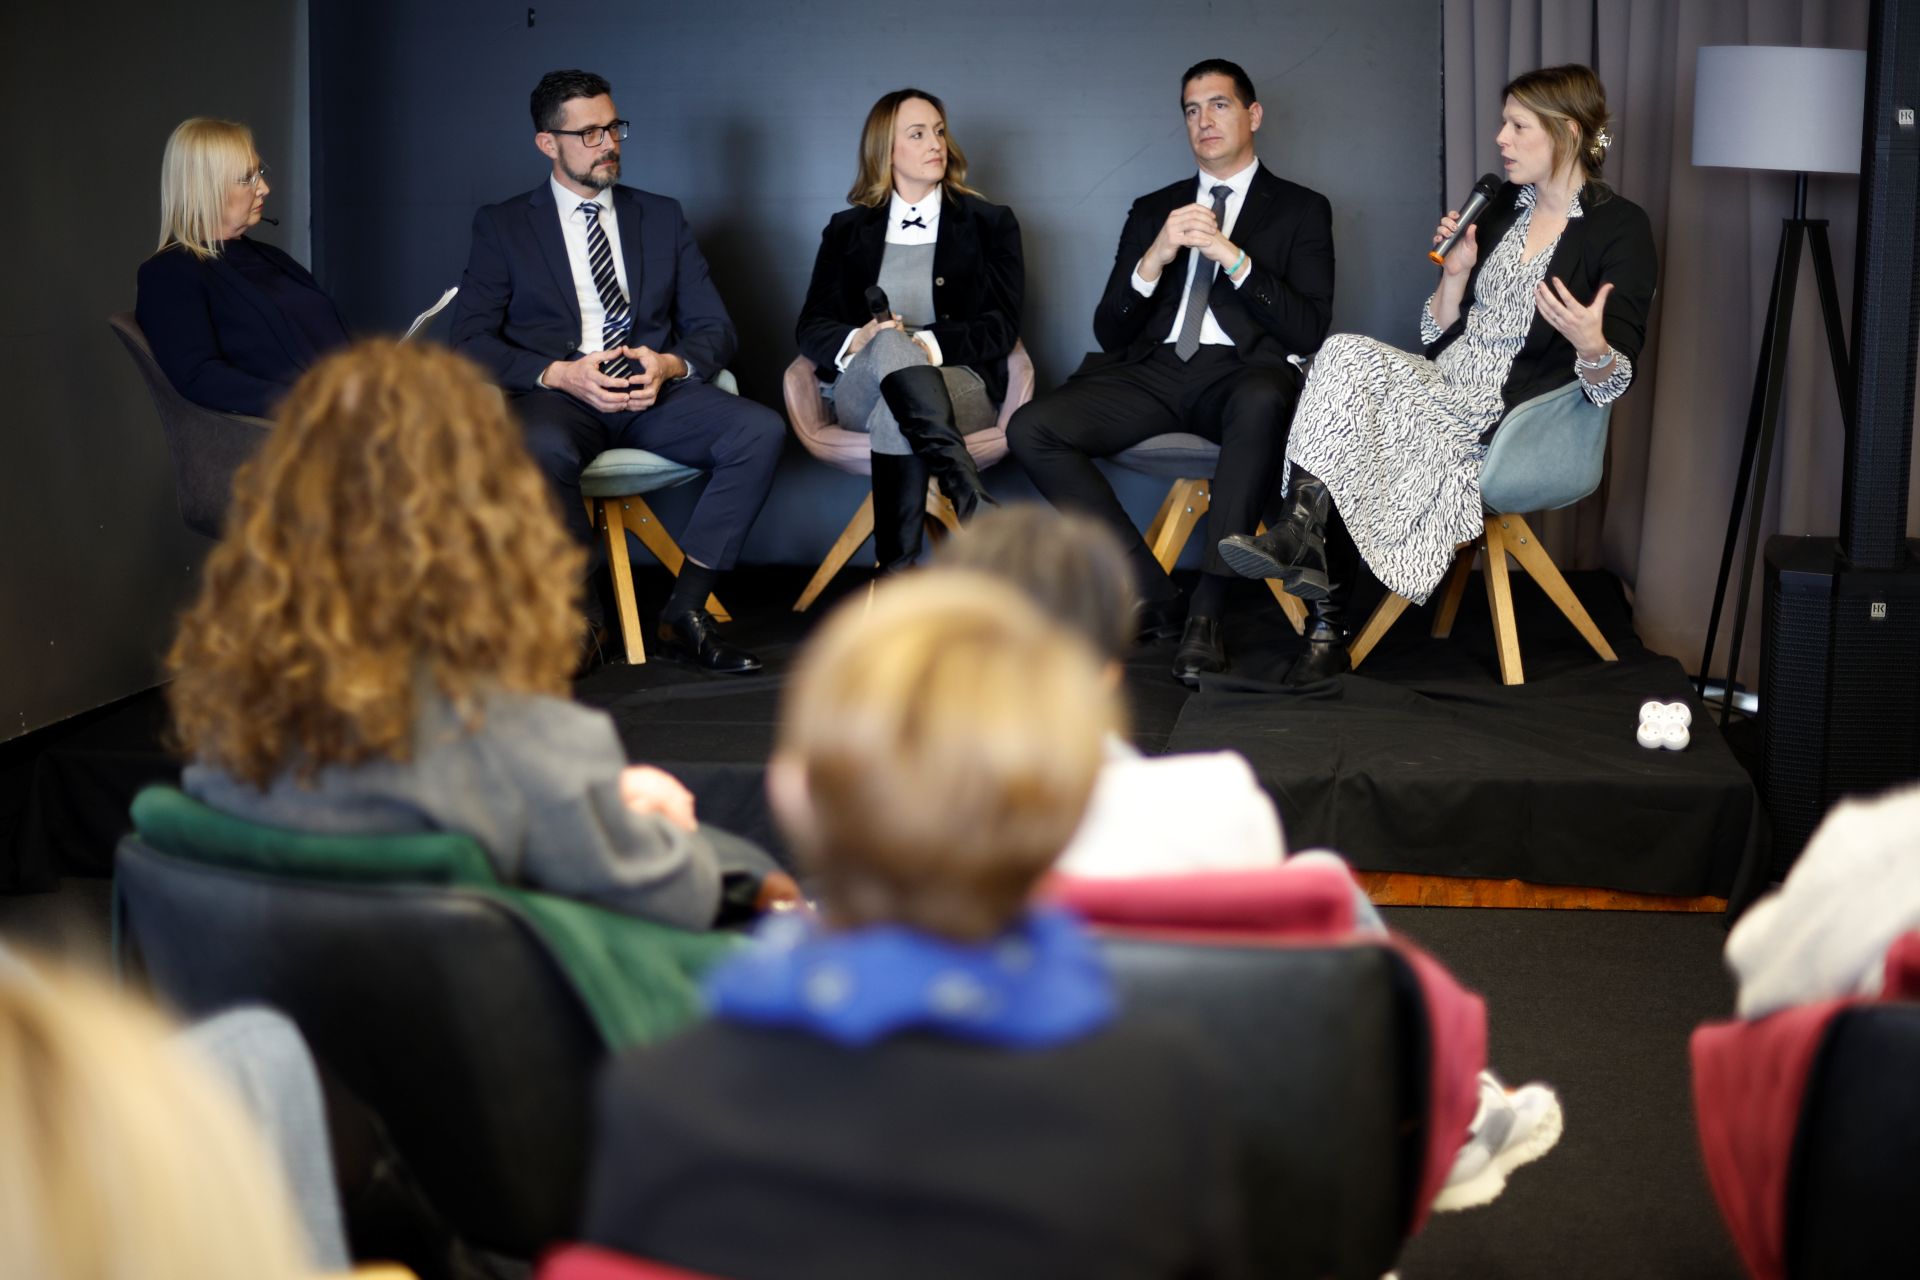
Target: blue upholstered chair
(1188, 462)
(613, 486)
(1549, 453)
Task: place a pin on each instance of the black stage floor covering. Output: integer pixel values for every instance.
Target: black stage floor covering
(1423, 762)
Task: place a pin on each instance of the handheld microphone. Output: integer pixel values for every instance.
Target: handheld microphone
(1476, 204)
(272, 222)
(877, 305)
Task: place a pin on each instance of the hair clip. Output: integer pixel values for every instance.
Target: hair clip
(1602, 139)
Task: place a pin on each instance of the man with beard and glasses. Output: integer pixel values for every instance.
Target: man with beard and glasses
(591, 304)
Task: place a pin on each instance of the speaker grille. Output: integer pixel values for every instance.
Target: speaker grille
(1793, 695)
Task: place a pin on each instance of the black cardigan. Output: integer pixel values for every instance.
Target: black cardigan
(1610, 241)
(979, 282)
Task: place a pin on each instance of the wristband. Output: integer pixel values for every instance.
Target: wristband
(1237, 264)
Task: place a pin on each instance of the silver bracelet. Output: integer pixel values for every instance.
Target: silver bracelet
(1580, 362)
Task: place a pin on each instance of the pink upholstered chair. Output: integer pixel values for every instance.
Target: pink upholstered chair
(812, 419)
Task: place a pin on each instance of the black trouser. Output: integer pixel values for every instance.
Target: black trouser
(1244, 408)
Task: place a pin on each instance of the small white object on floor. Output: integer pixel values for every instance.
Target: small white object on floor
(1512, 1127)
(1663, 725)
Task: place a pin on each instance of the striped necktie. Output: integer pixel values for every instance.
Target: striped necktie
(613, 333)
(1203, 272)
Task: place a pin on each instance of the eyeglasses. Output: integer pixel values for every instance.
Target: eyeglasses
(594, 135)
(253, 179)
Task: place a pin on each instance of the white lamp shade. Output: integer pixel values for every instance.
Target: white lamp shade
(1773, 107)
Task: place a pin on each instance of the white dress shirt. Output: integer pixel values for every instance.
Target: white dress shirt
(898, 212)
(573, 229)
(1210, 331)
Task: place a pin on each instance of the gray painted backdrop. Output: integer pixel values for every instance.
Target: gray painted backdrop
(93, 557)
(749, 113)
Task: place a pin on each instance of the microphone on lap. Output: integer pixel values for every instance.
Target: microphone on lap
(1483, 191)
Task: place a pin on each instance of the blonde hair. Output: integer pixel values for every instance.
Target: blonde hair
(121, 1157)
(203, 158)
(1564, 97)
(873, 184)
(392, 534)
(948, 738)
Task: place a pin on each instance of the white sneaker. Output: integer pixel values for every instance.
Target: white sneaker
(1512, 1127)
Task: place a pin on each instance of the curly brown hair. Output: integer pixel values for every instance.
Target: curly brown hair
(392, 530)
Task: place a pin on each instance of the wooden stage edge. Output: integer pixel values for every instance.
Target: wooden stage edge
(1401, 889)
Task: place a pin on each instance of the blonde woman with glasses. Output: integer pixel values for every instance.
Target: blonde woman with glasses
(234, 322)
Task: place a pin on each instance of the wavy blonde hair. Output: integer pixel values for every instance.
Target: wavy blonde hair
(946, 741)
(120, 1155)
(203, 157)
(873, 184)
(392, 534)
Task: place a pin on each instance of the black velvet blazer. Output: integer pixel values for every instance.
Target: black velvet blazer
(1610, 241)
(979, 282)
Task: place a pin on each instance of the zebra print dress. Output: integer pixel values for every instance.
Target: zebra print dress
(1396, 437)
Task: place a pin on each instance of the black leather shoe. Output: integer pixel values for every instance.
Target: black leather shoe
(1201, 651)
(1159, 620)
(1326, 652)
(920, 404)
(899, 510)
(1295, 551)
(694, 637)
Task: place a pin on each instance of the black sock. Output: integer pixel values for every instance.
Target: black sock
(1209, 596)
(690, 589)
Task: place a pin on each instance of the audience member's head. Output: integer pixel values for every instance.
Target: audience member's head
(119, 1155)
(391, 532)
(204, 187)
(936, 751)
(1071, 566)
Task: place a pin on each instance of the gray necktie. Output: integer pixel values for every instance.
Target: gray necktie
(1189, 340)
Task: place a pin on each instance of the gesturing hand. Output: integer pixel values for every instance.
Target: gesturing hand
(1578, 324)
(583, 380)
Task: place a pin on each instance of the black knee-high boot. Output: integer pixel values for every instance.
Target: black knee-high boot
(899, 509)
(920, 403)
(1296, 551)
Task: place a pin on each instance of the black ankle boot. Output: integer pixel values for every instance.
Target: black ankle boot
(899, 509)
(920, 404)
(1326, 653)
(1296, 551)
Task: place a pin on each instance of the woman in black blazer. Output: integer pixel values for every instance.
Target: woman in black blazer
(1397, 441)
(232, 321)
(929, 367)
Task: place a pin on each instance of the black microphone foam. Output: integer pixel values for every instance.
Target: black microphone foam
(272, 222)
(877, 305)
(1483, 191)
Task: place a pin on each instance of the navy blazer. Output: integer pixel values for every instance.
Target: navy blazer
(1284, 306)
(979, 282)
(518, 310)
(222, 341)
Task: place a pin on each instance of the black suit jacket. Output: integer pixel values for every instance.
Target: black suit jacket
(1285, 305)
(518, 310)
(773, 1155)
(1611, 240)
(979, 281)
(222, 341)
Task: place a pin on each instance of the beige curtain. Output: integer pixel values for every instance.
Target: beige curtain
(1660, 519)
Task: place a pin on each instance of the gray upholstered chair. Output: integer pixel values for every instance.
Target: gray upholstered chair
(206, 446)
(1188, 462)
(613, 486)
(1549, 453)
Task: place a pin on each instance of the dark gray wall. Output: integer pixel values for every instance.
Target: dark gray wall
(749, 114)
(95, 559)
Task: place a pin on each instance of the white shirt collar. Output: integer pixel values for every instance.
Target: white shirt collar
(927, 211)
(569, 201)
(1239, 182)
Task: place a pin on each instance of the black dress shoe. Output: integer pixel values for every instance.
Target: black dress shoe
(1326, 653)
(1201, 651)
(1158, 620)
(694, 637)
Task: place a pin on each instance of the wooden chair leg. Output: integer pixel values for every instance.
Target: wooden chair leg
(857, 531)
(614, 526)
(1533, 557)
(1506, 637)
(1293, 606)
(1189, 501)
(942, 519)
(1456, 586)
(653, 536)
(1384, 615)
(1175, 499)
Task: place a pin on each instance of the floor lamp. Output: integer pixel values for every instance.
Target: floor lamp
(1787, 110)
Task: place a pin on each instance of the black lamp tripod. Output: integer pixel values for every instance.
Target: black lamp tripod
(1763, 415)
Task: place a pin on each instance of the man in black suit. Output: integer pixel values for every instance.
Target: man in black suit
(1207, 299)
(592, 305)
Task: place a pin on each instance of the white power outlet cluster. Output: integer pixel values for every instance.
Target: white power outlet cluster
(1664, 725)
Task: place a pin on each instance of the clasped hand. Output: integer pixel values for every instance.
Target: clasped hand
(1191, 226)
(583, 379)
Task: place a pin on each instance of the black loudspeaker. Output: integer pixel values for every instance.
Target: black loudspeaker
(1840, 653)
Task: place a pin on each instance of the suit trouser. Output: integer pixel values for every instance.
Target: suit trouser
(1243, 408)
(737, 441)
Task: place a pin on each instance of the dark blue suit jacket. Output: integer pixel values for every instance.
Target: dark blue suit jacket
(518, 311)
(222, 341)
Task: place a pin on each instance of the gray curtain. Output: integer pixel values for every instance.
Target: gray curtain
(1659, 520)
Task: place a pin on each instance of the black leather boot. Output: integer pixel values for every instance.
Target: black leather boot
(899, 509)
(1326, 653)
(1296, 551)
(920, 404)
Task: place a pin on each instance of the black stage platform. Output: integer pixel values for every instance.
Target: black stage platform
(1423, 762)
